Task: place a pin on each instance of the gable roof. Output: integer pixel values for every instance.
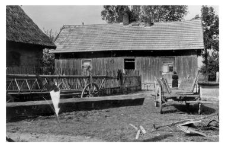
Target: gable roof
(20, 28)
(108, 37)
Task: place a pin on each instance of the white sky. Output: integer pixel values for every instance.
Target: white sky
(54, 17)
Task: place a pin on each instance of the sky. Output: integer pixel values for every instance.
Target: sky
(54, 17)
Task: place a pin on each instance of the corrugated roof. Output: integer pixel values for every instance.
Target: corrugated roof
(21, 28)
(108, 37)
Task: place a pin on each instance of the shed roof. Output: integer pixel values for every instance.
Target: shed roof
(181, 35)
(21, 28)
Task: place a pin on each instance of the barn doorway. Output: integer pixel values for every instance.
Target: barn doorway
(129, 64)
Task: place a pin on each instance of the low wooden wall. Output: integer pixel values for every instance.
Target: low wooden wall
(15, 110)
(209, 90)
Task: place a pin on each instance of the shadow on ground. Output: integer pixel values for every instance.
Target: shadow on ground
(191, 109)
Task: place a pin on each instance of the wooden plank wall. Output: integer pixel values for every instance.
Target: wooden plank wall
(28, 61)
(68, 66)
(186, 66)
(99, 65)
(148, 67)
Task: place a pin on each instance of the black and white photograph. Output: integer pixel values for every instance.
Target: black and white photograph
(112, 73)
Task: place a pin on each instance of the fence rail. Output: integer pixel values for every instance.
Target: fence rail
(36, 83)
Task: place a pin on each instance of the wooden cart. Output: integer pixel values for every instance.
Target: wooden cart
(163, 93)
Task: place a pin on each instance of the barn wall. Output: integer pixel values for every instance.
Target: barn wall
(150, 67)
(29, 55)
(148, 64)
(99, 65)
(186, 66)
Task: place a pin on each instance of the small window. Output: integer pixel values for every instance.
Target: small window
(86, 63)
(170, 68)
(129, 64)
(86, 67)
(167, 67)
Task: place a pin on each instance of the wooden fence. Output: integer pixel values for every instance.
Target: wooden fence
(26, 83)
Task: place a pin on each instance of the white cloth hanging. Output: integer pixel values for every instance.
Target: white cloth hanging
(55, 96)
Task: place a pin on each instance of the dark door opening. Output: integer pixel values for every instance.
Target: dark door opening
(129, 64)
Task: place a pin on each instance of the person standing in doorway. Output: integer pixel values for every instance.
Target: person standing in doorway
(174, 80)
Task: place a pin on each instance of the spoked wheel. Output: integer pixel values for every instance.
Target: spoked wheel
(90, 90)
(158, 98)
(160, 104)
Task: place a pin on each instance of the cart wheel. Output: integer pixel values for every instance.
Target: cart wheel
(160, 107)
(90, 90)
(157, 96)
(158, 101)
(156, 104)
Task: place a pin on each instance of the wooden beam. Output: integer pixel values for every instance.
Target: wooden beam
(77, 100)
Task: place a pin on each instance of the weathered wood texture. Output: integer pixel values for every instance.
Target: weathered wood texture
(186, 66)
(100, 66)
(150, 67)
(89, 99)
(36, 108)
(25, 70)
(209, 91)
(149, 64)
(30, 83)
(23, 59)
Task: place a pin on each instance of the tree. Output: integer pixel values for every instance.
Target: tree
(210, 23)
(114, 13)
(157, 13)
(48, 60)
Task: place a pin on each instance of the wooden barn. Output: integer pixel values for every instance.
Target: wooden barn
(24, 42)
(153, 50)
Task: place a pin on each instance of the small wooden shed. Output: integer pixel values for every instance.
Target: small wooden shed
(153, 50)
(24, 41)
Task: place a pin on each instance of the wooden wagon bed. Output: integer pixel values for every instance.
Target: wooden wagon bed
(164, 93)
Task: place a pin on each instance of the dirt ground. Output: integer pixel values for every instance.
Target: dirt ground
(113, 125)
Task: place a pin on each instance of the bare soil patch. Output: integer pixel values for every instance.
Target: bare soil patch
(112, 125)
